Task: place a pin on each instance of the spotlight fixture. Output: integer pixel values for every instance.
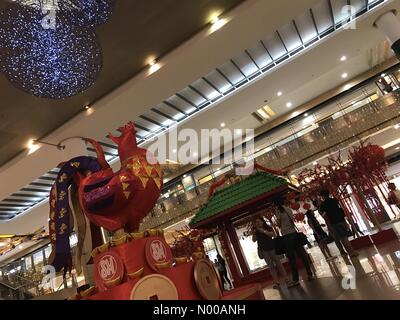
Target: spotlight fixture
(223, 124)
(217, 22)
(87, 107)
(343, 58)
(279, 93)
(32, 146)
(154, 65)
(289, 105)
(345, 75)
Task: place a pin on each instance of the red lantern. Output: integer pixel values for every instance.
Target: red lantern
(291, 196)
(299, 217)
(295, 206)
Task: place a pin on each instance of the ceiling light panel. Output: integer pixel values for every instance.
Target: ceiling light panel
(306, 27)
(246, 65)
(233, 74)
(219, 81)
(275, 46)
(195, 97)
(340, 10)
(290, 37)
(180, 104)
(260, 56)
(322, 16)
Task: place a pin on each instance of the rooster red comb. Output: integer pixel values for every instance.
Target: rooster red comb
(130, 126)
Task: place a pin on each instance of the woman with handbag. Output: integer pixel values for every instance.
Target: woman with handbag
(294, 242)
(264, 235)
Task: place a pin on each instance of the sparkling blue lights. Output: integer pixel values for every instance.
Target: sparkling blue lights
(49, 63)
(86, 13)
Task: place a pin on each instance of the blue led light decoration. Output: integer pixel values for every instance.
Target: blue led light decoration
(47, 62)
(83, 13)
(86, 13)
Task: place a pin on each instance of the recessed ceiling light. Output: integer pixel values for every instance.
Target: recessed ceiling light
(154, 66)
(217, 22)
(223, 124)
(345, 75)
(279, 93)
(32, 146)
(289, 104)
(87, 107)
(343, 58)
(306, 115)
(185, 175)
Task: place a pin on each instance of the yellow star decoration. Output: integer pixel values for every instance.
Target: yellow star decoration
(63, 228)
(75, 164)
(63, 211)
(144, 171)
(62, 178)
(125, 186)
(62, 195)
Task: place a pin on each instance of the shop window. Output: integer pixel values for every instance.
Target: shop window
(249, 249)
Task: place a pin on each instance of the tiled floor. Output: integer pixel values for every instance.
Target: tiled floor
(376, 270)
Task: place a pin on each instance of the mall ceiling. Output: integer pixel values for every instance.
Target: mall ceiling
(137, 30)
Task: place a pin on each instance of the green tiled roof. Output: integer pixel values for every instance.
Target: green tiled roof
(229, 197)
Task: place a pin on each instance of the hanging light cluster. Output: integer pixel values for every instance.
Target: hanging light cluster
(50, 48)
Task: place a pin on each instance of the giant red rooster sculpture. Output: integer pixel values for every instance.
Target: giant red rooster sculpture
(116, 201)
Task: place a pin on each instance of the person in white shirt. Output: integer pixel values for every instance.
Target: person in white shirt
(293, 248)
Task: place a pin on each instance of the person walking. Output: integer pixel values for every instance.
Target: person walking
(334, 216)
(293, 247)
(394, 195)
(263, 235)
(223, 272)
(320, 235)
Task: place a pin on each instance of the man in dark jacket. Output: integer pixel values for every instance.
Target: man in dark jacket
(334, 216)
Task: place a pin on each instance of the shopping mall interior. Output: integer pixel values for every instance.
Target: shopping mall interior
(249, 111)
